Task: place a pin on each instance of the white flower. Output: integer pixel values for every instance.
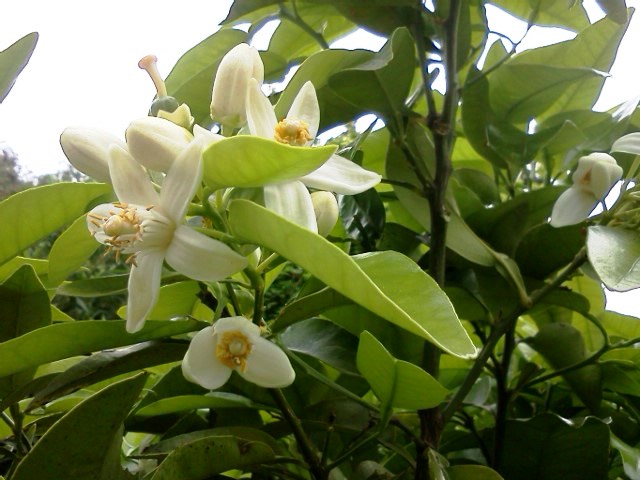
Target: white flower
(596, 174)
(150, 226)
(291, 199)
(86, 149)
(234, 343)
(239, 65)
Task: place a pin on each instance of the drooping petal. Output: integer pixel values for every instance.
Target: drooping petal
(198, 131)
(200, 364)
(95, 221)
(340, 175)
(156, 142)
(130, 181)
(292, 201)
(144, 286)
(182, 181)
(268, 366)
(261, 118)
(305, 107)
(572, 207)
(202, 258)
(87, 150)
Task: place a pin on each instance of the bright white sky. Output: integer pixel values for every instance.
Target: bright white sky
(84, 69)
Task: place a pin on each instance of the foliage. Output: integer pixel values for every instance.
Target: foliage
(444, 329)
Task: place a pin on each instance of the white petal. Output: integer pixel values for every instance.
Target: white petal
(94, 224)
(87, 150)
(603, 177)
(305, 107)
(211, 137)
(241, 324)
(200, 365)
(292, 201)
(182, 181)
(202, 258)
(144, 286)
(340, 175)
(130, 181)
(261, 118)
(156, 142)
(573, 206)
(268, 366)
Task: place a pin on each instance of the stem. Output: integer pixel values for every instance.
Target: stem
(304, 444)
(501, 328)
(257, 283)
(502, 375)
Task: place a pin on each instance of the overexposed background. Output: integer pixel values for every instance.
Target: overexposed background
(84, 69)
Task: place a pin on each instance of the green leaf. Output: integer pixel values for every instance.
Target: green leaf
(250, 161)
(183, 403)
(70, 250)
(547, 12)
(81, 444)
(64, 340)
(323, 340)
(39, 211)
(615, 9)
(552, 448)
(395, 382)
(41, 267)
(615, 255)
(630, 457)
(24, 304)
(472, 472)
(382, 83)
(307, 307)
(373, 282)
(206, 457)
(191, 79)
(13, 60)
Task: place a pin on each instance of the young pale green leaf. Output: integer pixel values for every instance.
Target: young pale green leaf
(39, 211)
(24, 304)
(615, 256)
(81, 444)
(206, 457)
(70, 250)
(395, 382)
(250, 161)
(64, 340)
(629, 143)
(13, 60)
(428, 315)
(191, 79)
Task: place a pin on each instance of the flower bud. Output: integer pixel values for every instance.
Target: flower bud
(325, 207)
(87, 150)
(239, 65)
(597, 173)
(156, 142)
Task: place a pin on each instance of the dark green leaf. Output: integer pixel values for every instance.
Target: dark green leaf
(182, 403)
(13, 60)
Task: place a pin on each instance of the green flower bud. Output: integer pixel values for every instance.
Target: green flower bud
(87, 150)
(325, 207)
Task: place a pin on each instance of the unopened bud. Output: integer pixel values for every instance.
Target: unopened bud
(87, 150)
(325, 207)
(156, 142)
(239, 65)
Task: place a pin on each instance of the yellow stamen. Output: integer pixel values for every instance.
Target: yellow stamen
(292, 132)
(232, 349)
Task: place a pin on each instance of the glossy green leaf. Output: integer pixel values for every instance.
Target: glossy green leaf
(70, 251)
(472, 472)
(308, 306)
(209, 456)
(185, 403)
(630, 457)
(250, 161)
(191, 79)
(64, 340)
(615, 256)
(419, 307)
(102, 286)
(13, 60)
(395, 382)
(108, 364)
(81, 444)
(554, 448)
(323, 340)
(24, 304)
(39, 211)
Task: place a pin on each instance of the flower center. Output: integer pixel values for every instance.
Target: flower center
(293, 132)
(232, 349)
(123, 227)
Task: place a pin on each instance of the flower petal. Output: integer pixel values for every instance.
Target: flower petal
(202, 258)
(87, 150)
(144, 286)
(268, 366)
(305, 107)
(130, 181)
(573, 206)
(292, 201)
(340, 175)
(242, 324)
(156, 142)
(94, 223)
(182, 180)
(261, 118)
(200, 364)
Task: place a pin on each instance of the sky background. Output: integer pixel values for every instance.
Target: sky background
(84, 69)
